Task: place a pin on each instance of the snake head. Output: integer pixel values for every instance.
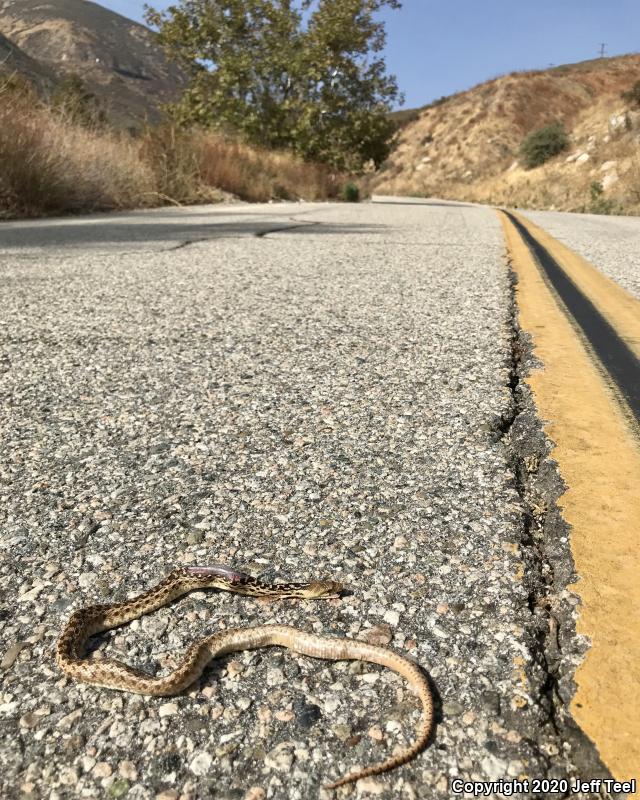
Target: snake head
(321, 590)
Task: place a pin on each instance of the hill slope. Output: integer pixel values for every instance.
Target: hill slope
(119, 60)
(467, 146)
(14, 60)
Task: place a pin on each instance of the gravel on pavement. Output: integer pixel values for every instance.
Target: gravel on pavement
(329, 401)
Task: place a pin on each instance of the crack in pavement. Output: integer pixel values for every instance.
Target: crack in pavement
(554, 643)
(180, 245)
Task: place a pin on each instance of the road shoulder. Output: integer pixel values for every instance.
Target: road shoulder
(598, 457)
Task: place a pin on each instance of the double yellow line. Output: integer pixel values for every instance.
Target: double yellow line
(598, 453)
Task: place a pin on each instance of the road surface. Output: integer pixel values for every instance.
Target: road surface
(301, 391)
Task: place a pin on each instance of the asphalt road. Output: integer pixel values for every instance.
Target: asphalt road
(611, 243)
(302, 391)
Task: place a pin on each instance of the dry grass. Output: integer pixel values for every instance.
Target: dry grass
(50, 166)
(189, 164)
(47, 165)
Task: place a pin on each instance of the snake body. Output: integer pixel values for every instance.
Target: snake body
(84, 623)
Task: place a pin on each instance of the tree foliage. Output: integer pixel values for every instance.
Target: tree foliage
(541, 145)
(304, 75)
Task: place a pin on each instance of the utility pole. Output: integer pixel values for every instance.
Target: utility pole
(602, 47)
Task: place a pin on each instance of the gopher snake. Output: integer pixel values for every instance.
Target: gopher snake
(115, 675)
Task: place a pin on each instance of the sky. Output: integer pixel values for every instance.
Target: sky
(437, 47)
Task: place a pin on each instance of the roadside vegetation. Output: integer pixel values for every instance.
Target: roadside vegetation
(598, 203)
(282, 103)
(54, 160)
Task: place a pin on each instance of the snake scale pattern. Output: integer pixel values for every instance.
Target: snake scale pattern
(84, 623)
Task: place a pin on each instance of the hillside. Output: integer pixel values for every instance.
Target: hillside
(13, 60)
(466, 147)
(118, 59)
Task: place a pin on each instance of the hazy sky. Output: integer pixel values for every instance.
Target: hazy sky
(436, 47)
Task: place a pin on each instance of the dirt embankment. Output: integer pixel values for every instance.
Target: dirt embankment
(467, 147)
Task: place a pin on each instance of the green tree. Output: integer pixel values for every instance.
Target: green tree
(541, 145)
(344, 115)
(304, 75)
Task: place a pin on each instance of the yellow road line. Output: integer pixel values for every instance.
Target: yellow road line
(619, 308)
(599, 458)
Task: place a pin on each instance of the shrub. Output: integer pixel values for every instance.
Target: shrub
(174, 163)
(632, 95)
(545, 143)
(600, 204)
(350, 193)
(75, 102)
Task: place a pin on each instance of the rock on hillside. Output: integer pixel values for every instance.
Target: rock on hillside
(464, 146)
(119, 60)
